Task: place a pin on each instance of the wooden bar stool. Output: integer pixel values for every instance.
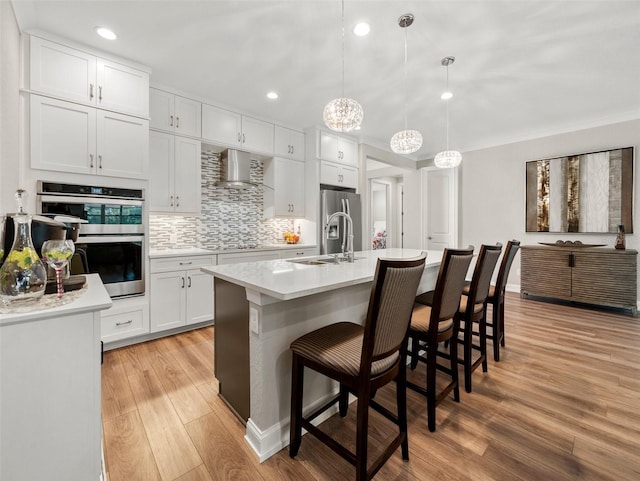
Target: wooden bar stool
(473, 310)
(432, 324)
(362, 359)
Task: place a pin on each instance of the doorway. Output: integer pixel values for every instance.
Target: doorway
(380, 214)
(440, 198)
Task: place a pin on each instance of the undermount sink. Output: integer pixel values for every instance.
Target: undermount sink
(320, 261)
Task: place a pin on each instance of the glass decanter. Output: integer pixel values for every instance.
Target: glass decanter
(23, 276)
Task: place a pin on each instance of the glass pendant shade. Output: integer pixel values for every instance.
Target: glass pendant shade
(343, 115)
(448, 159)
(406, 141)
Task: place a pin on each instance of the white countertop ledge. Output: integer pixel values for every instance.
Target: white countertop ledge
(193, 251)
(285, 280)
(94, 298)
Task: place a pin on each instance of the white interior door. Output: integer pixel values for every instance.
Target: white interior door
(440, 201)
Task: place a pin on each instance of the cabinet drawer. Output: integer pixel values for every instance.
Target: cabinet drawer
(302, 252)
(122, 323)
(181, 263)
(248, 257)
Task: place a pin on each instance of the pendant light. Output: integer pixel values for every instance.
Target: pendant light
(447, 158)
(343, 114)
(406, 141)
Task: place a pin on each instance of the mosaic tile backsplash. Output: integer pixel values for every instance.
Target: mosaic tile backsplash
(229, 218)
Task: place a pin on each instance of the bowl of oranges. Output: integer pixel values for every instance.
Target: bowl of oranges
(291, 237)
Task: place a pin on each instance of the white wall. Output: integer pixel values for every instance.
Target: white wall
(492, 190)
(9, 107)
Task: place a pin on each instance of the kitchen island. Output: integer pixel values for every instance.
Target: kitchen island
(50, 387)
(261, 307)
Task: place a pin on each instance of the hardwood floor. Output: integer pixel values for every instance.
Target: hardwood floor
(562, 404)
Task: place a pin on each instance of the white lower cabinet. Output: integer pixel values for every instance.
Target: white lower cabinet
(180, 293)
(122, 322)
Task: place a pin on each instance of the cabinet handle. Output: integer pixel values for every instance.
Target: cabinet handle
(243, 140)
(124, 323)
(239, 137)
(91, 160)
(293, 149)
(177, 201)
(170, 120)
(100, 161)
(90, 91)
(100, 93)
(182, 282)
(177, 122)
(186, 263)
(189, 281)
(171, 201)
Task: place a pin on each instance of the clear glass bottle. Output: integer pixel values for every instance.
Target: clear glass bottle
(23, 276)
(620, 241)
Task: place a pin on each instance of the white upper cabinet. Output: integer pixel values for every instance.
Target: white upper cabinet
(173, 113)
(336, 148)
(221, 126)
(283, 188)
(257, 135)
(288, 143)
(174, 174)
(74, 138)
(62, 71)
(123, 89)
(63, 136)
(123, 145)
(333, 173)
(229, 129)
(70, 74)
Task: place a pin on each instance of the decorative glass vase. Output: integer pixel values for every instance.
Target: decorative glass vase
(23, 276)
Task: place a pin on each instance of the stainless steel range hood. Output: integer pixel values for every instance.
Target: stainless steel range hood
(235, 170)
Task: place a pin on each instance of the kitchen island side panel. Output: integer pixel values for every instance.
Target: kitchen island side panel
(231, 346)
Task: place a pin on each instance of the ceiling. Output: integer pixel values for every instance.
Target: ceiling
(523, 69)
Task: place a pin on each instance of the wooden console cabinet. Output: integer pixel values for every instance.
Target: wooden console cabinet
(606, 277)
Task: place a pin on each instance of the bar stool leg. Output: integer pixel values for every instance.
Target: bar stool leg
(295, 426)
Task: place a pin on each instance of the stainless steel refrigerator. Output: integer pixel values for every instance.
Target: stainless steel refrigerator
(333, 240)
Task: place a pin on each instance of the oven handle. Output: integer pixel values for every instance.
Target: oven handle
(106, 239)
(88, 200)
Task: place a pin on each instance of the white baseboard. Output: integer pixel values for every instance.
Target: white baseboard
(265, 443)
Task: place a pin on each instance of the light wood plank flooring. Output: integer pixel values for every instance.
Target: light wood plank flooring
(562, 404)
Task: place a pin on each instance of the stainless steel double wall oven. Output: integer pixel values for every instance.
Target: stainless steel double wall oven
(112, 241)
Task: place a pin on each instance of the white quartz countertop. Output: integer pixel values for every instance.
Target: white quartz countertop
(193, 251)
(286, 280)
(92, 297)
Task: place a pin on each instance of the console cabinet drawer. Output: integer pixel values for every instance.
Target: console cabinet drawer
(121, 323)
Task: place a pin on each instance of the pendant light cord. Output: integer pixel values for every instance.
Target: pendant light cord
(405, 78)
(342, 48)
(447, 107)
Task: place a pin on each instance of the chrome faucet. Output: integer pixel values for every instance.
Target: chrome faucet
(349, 254)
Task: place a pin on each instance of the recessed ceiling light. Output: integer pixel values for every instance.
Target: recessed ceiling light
(272, 95)
(446, 95)
(361, 29)
(107, 33)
